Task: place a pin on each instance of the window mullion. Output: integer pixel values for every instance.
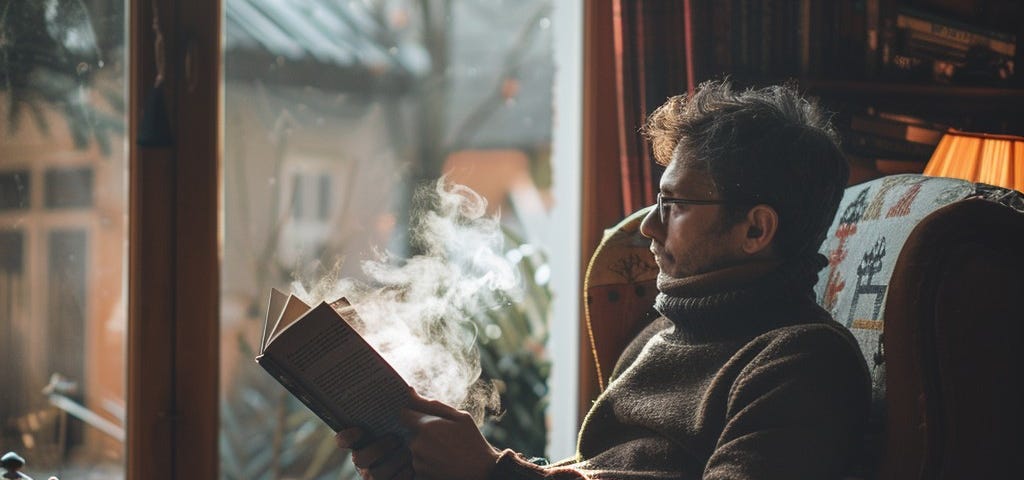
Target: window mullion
(173, 333)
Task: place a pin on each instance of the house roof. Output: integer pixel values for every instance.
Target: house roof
(500, 66)
(333, 33)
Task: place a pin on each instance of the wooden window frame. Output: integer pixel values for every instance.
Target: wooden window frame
(173, 279)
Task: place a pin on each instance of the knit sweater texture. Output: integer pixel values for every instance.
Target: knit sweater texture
(743, 377)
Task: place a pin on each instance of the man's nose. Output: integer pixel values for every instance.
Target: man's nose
(651, 224)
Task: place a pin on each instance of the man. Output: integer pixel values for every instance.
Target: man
(743, 376)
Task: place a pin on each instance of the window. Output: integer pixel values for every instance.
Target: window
(14, 190)
(69, 187)
(350, 121)
(336, 114)
(311, 216)
(63, 233)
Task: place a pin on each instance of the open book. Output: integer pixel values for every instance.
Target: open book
(317, 355)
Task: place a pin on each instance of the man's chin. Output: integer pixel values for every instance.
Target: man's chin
(668, 274)
(676, 271)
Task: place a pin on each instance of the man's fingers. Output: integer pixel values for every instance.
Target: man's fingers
(411, 419)
(416, 420)
(375, 452)
(432, 407)
(350, 438)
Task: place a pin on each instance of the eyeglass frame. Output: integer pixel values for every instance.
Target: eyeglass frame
(664, 201)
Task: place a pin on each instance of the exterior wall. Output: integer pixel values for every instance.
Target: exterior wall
(103, 224)
(277, 134)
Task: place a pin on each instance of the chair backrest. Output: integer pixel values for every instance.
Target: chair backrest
(913, 259)
(620, 286)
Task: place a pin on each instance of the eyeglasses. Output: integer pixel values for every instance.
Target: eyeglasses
(664, 202)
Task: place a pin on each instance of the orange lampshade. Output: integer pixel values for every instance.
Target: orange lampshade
(980, 157)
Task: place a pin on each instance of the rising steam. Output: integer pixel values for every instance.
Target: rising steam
(417, 312)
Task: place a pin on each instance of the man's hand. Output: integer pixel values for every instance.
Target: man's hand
(379, 459)
(445, 443)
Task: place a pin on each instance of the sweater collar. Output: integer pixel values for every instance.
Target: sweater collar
(734, 301)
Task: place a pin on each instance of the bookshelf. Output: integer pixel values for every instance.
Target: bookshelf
(930, 63)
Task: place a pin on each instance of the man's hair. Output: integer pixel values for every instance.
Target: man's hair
(760, 146)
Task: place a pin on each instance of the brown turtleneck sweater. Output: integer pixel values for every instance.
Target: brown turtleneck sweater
(743, 377)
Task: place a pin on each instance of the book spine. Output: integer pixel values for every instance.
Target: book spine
(929, 51)
(301, 391)
(956, 35)
(871, 31)
(804, 15)
(936, 40)
(887, 36)
(952, 24)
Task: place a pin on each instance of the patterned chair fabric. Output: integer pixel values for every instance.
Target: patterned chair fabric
(871, 226)
(934, 261)
(620, 286)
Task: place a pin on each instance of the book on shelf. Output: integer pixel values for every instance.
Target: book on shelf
(935, 40)
(890, 166)
(317, 355)
(898, 128)
(954, 32)
(927, 47)
(871, 145)
(934, 48)
(872, 37)
(910, 119)
(804, 34)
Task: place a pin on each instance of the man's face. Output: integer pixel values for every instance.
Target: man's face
(692, 239)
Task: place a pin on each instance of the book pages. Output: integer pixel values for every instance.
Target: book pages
(274, 309)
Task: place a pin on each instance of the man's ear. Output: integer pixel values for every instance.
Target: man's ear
(762, 223)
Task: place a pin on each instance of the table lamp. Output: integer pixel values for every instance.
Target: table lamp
(979, 157)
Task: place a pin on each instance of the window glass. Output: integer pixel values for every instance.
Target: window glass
(336, 115)
(14, 189)
(63, 236)
(69, 187)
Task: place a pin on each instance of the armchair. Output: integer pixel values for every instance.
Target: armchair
(926, 273)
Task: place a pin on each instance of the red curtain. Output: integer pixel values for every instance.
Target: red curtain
(634, 58)
(653, 61)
